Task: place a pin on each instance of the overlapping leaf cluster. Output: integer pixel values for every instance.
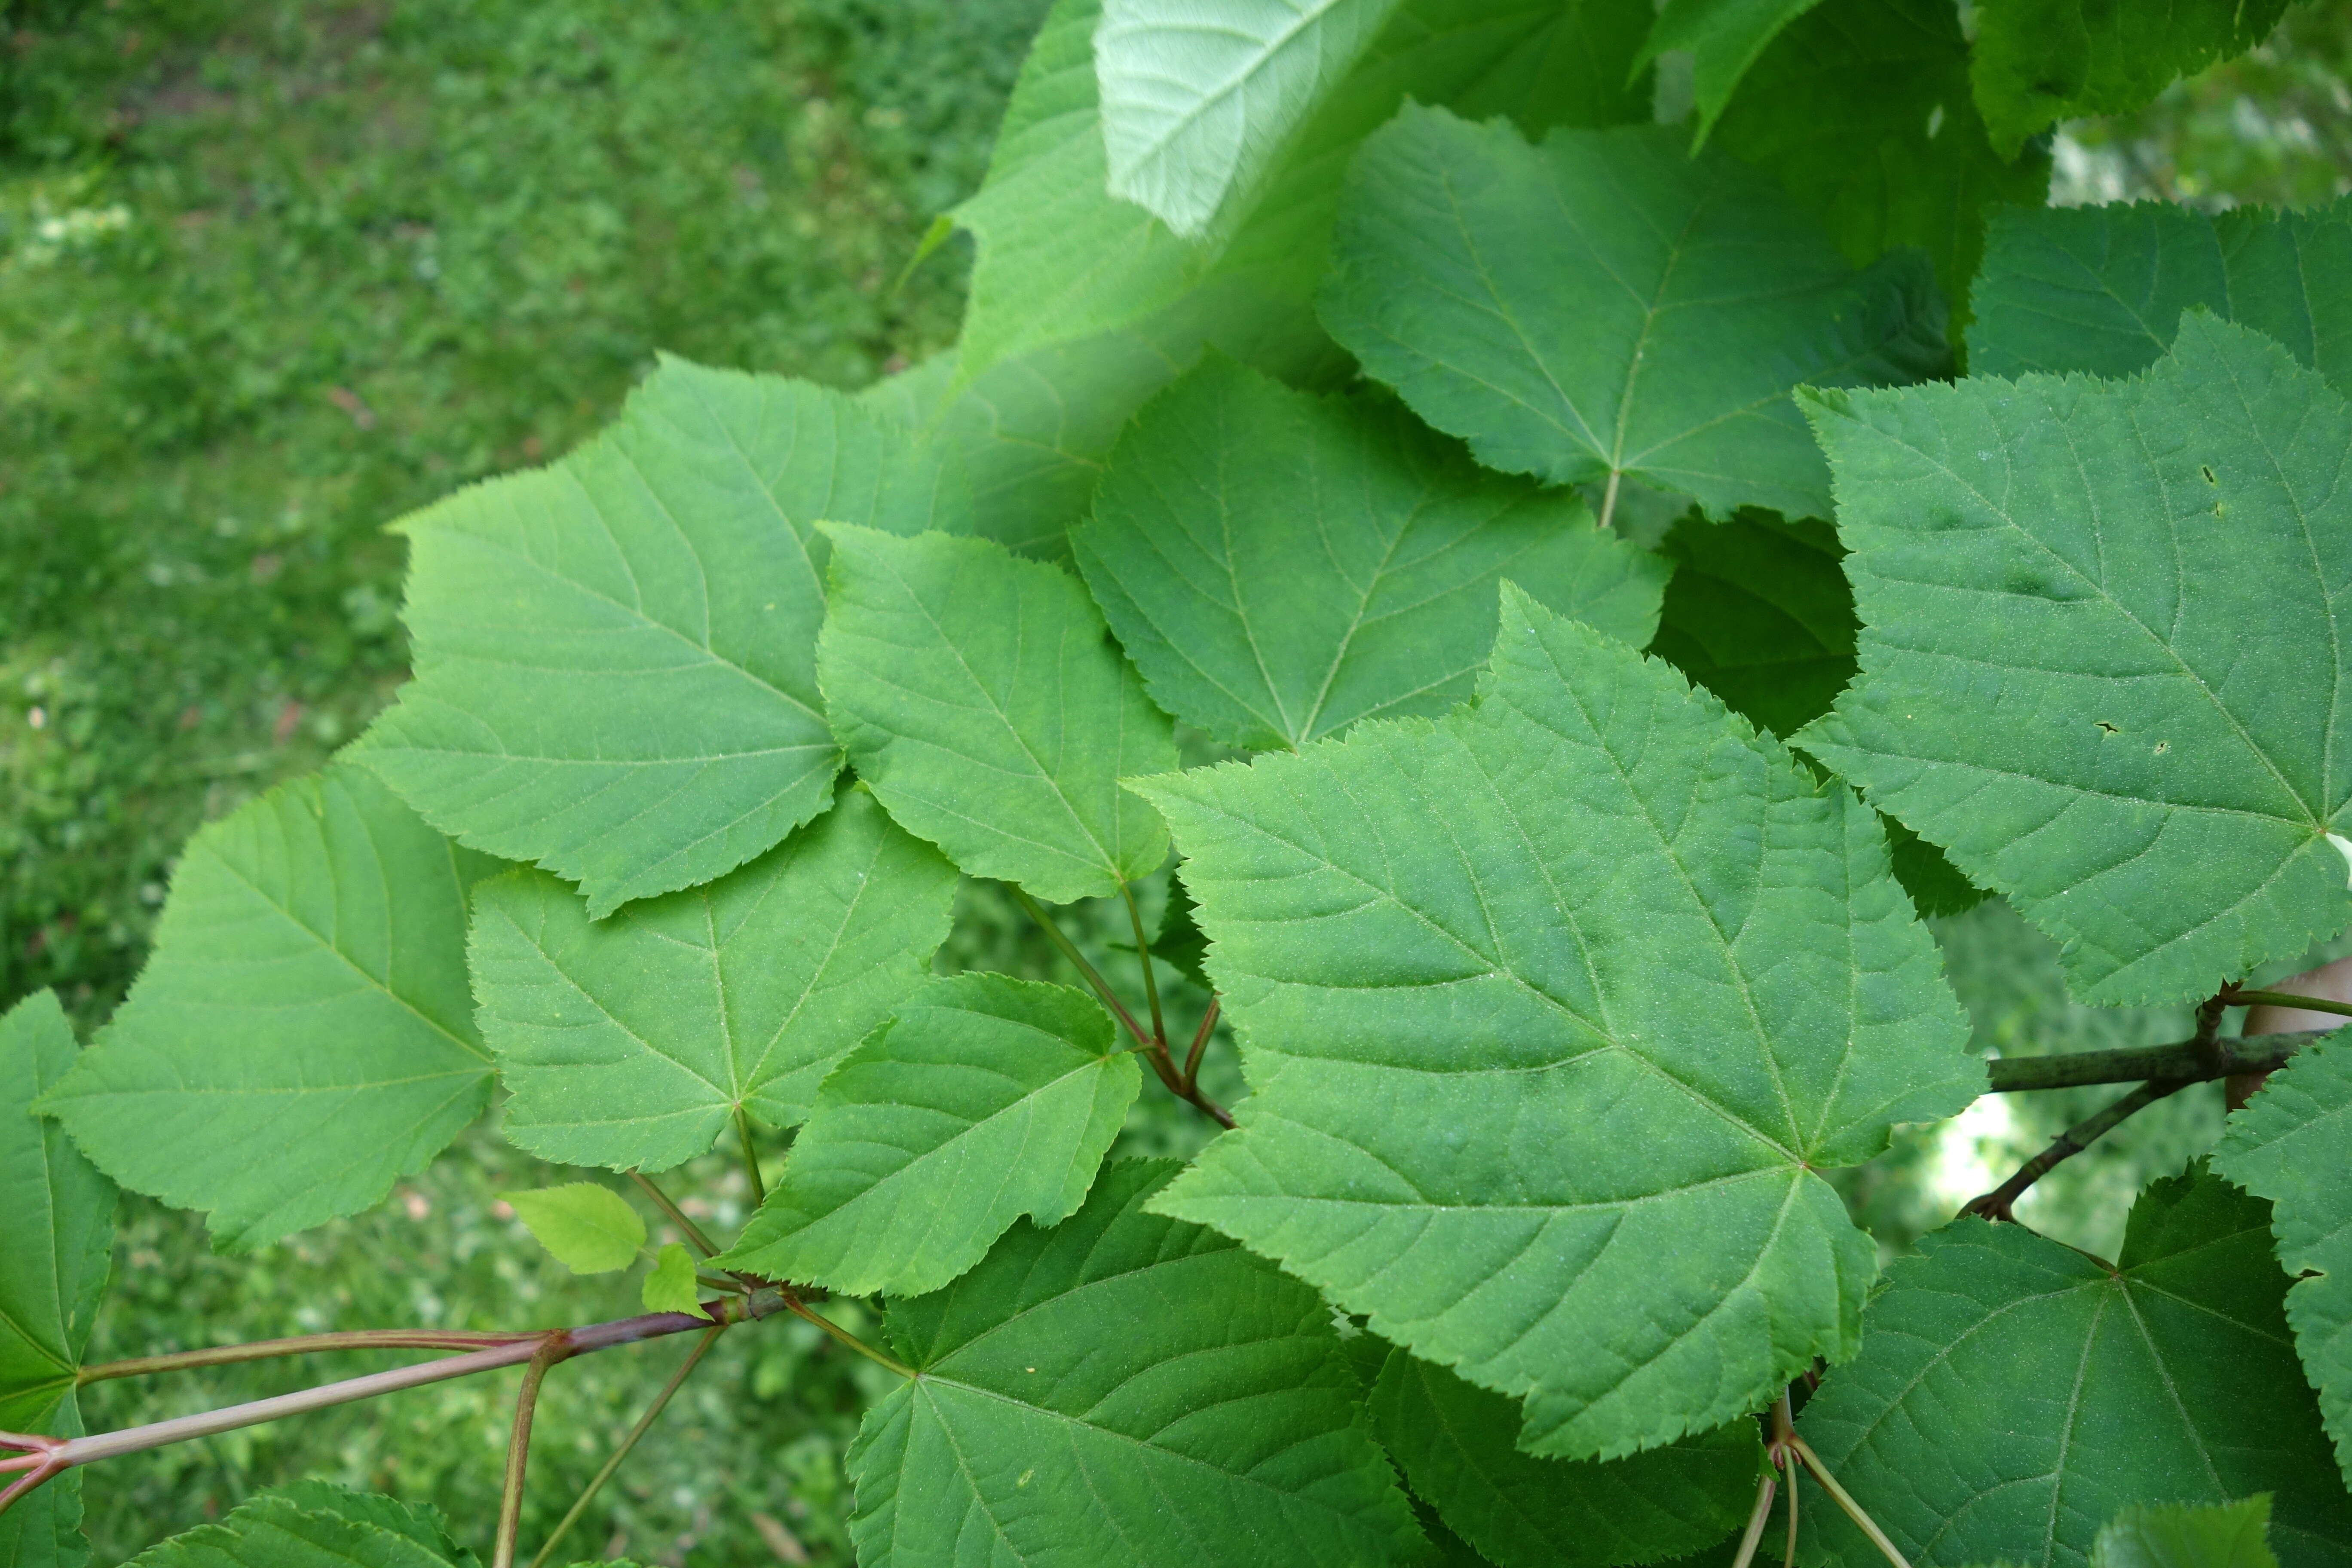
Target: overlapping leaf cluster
(1316, 349)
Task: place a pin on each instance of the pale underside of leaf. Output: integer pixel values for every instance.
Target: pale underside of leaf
(307, 995)
(2054, 580)
(1522, 1024)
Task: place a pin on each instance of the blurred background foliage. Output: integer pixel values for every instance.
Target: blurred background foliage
(273, 274)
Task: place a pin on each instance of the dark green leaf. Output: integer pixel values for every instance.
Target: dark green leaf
(2221, 1535)
(313, 1526)
(1553, 1010)
(1123, 1389)
(1456, 1445)
(983, 703)
(2055, 580)
(1599, 306)
(1758, 612)
(616, 655)
(1281, 566)
(984, 1099)
(1723, 39)
(2292, 1144)
(2101, 289)
(308, 996)
(2040, 61)
(2014, 1395)
(630, 1042)
(1180, 941)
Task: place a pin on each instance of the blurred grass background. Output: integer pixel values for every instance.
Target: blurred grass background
(271, 275)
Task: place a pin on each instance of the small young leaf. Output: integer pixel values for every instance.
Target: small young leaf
(1601, 306)
(2101, 289)
(1457, 1446)
(2292, 1144)
(670, 1288)
(312, 1525)
(630, 1042)
(591, 1230)
(2052, 691)
(2039, 61)
(985, 1098)
(1281, 566)
(2178, 1535)
(984, 704)
(307, 997)
(1123, 1389)
(615, 655)
(2012, 1395)
(1555, 1009)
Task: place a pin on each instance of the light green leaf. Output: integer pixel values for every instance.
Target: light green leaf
(984, 1099)
(2292, 1144)
(1861, 109)
(2219, 1535)
(1455, 1442)
(591, 1230)
(1281, 566)
(670, 1288)
(2040, 61)
(631, 1042)
(1599, 306)
(983, 703)
(616, 655)
(1553, 1010)
(2012, 1395)
(1123, 1389)
(2101, 289)
(1758, 612)
(312, 1525)
(1723, 39)
(1199, 100)
(2055, 579)
(307, 996)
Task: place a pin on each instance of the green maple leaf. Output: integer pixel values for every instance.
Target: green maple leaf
(616, 655)
(1281, 566)
(1758, 612)
(1123, 1388)
(2038, 61)
(2012, 1395)
(984, 1099)
(2055, 579)
(1723, 39)
(632, 1041)
(307, 995)
(1599, 306)
(2290, 1144)
(1553, 1009)
(60, 1244)
(982, 701)
(2101, 289)
(2176, 1535)
(590, 1229)
(1861, 108)
(1455, 1442)
(313, 1525)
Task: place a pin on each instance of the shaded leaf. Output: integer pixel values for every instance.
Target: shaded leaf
(984, 1099)
(1758, 612)
(2101, 289)
(1861, 109)
(308, 996)
(1180, 941)
(313, 1526)
(2054, 580)
(1126, 1389)
(616, 655)
(418, 1521)
(2041, 61)
(983, 703)
(1281, 566)
(2014, 1395)
(1543, 1071)
(670, 1288)
(1455, 1442)
(1599, 306)
(630, 1042)
(591, 1230)
(2221, 1535)
(1723, 39)
(2292, 1144)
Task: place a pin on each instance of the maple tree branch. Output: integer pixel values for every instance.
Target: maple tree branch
(304, 1344)
(644, 1424)
(1999, 1202)
(2189, 1061)
(692, 1232)
(555, 1348)
(1143, 955)
(2234, 997)
(1839, 1494)
(1201, 1041)
(1757, 1519)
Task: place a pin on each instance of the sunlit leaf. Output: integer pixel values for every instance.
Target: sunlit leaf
(591, 1230)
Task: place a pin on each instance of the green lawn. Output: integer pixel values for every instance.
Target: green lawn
(271, 275)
